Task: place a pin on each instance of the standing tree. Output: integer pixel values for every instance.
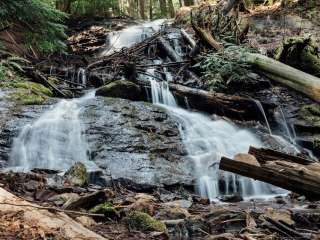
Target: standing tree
(163, 8)
(142, 9)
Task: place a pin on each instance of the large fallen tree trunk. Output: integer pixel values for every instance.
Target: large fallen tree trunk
(32, 216)
(235, 107)
(289, 172)
(284, 74)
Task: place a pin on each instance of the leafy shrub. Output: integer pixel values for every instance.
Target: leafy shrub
(42, 24)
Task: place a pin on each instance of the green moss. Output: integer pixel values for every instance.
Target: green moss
(144, 222)
(311, 114)
(105, 208)
(27, 93)
(77, 175)
(120, 89)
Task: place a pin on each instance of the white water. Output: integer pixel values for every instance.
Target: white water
(54, 141)
(82, 77)
(259, 105)
(206, 141)
(131, 35)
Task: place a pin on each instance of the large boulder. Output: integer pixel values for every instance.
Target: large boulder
(120, 89)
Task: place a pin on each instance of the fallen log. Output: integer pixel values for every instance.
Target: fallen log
(235, 107)
(289, 172)
(188, 38)
(284, 74)
(169, 50)
(43, 220)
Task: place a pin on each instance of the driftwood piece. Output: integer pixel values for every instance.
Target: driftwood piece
(207, 37)
(39, 78)
(282, 170)
(86, 201)
(188, 38)
(45, 220)
(169, 50)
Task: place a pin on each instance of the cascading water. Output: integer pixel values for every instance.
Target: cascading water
(131, 35)
(54, 141)
(206, 141)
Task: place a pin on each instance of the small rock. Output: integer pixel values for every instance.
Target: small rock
(173, 213)
(86, 221)
(279, 215)
(63, 198)
(247, 158)
(201, 200)
(224, 236)
(179, 203)
(77, 175)
(231, 198)
(120, 89)
(144, 222)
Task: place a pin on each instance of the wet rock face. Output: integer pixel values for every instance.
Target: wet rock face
(134, 142)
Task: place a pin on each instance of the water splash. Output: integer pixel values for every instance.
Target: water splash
(259, 105)
(55, 140)
(290, 136)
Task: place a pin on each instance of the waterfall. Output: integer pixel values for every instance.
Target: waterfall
(206, 141)
(55, 140)
(259, 105)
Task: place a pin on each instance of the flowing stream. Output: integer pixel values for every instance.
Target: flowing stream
(206, 141)
(55, 140)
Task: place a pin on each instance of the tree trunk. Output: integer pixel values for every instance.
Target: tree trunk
(163, 8)
(188, 2)
(171, 8)
(289, 76)
(282, 170)
(64, 5)
(151, 9)
(142, 9)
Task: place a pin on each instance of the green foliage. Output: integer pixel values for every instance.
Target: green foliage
(10, 66)
(42, 24)
(144, 222)
(94, 7)
(221, 68)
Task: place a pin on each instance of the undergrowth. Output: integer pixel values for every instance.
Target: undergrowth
(222, 68)
(41, 24)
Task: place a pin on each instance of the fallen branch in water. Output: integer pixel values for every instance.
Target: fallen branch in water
(283, 170)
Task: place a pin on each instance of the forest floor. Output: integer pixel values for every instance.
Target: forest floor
(125, 211)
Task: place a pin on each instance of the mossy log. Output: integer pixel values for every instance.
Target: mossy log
(284, 74)
(289, 172)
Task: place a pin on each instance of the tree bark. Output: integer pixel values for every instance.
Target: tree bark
(151, 9)
(163, 7)
(142, 9)
(32, 215)
(171, 8)
(282, 170)
(289, 76)
(188, 2)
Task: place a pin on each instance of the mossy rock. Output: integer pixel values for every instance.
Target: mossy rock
(301, 53)
(77, 175)
(311, 114)
(27, 93)
(105, 208)
(120, 89)
(144, 222)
